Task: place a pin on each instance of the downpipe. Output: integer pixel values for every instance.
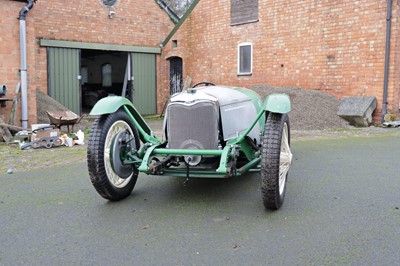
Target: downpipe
(387, 58)
(24, 75)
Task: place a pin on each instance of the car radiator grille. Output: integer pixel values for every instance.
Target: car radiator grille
(192, 126)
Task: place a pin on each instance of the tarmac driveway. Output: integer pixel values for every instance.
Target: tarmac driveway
(341, 207)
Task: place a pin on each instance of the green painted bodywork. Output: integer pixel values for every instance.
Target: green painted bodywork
(255, 98)
(111, 104)
(257, 101)
(276, 103)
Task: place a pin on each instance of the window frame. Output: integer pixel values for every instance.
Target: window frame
(109, 5)
(239, 73)
(236, 9)
(84, 74)
(105, 75)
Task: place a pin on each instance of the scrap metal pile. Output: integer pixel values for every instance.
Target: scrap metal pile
(45, 136)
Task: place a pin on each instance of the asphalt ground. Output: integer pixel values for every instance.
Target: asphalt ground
(341, 208)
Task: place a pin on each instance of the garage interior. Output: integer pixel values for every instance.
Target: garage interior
(102, 74)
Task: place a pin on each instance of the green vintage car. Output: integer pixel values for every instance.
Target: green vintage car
(210, 132)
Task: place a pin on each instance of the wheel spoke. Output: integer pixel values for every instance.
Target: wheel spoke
(286, 157)
(107, 153)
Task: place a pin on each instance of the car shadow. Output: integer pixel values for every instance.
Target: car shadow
(162, 192)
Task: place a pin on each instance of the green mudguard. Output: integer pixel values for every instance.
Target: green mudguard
(277, 103)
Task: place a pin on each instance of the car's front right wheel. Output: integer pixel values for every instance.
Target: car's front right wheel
(111, 136)
(276, 158)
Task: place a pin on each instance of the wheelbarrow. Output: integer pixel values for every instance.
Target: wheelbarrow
(63, 118)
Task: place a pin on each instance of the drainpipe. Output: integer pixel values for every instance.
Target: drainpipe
(24, 79)
(387, 57)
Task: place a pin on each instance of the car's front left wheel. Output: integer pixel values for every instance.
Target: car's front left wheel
(276, 158)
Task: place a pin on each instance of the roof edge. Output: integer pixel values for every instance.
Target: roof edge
(174, 17)
(179, 24)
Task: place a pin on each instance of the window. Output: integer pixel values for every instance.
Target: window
(245, 59)
(109, 3)
(106, 74)
(84, 74)
(244, 11)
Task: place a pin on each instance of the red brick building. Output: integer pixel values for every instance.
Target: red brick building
(332, 46)
(68, 43)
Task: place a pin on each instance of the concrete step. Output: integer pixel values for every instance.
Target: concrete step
(357, 110)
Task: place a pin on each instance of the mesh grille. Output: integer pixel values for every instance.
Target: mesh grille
(192, 127)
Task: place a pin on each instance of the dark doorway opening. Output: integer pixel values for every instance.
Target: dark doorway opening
(175, 75)
(102, 74)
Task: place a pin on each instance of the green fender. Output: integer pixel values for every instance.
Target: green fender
(277, 103)
(111, 104)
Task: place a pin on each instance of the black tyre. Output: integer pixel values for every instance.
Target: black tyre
(276, 158)
(110, 135)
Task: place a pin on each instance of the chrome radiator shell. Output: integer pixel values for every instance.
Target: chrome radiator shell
(192, 125)
(204, 117)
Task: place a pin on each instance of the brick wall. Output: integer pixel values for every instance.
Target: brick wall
(9, 56)
(136, 23)
(332, 46)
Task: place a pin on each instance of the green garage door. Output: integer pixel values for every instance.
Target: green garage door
(144, 82)
(63, 72)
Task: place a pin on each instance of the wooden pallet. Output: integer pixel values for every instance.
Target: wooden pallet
(4, 131)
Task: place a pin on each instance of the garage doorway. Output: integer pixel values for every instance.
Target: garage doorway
(79, 77)
(132, 75)
(102, 74)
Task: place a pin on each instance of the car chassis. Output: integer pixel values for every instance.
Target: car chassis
(206, 137)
